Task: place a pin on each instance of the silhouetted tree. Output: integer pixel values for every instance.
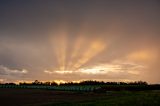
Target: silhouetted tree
(36, 82)
(53, 83)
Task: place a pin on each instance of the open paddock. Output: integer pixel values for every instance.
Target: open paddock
(44, 97)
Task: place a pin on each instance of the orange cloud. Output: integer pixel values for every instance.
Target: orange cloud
(142, 56)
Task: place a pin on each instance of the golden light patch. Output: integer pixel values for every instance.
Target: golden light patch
(59, 81)
(60, 48)
(141, 56)
(64, 72)
(101, 69)
(81, 51)
(78, 45)
(48, 71)
(94, 48)
(92, 71)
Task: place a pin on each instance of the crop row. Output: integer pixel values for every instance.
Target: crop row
(65, 88)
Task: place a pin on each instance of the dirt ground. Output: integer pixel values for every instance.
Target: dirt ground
(37, 97)
(42, 97)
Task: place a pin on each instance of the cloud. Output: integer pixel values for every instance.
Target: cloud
(107, 72)
(13, 75)
(7, 71)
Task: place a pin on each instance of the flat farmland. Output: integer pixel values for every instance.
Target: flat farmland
(42, 97)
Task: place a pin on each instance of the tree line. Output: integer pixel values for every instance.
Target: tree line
(87, 82)
(89, 85)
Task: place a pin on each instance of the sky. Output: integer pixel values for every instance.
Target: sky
(73, 40)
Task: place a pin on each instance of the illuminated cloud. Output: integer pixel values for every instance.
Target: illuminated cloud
(48, 71)
(106, 71)
(114, 68)
(142, 55)
(63, 72)
(59, 72)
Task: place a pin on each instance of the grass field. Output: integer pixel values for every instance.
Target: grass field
(42, 97)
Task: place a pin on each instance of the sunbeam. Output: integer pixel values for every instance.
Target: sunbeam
(60, 49)
(82, 51)
(95, 47)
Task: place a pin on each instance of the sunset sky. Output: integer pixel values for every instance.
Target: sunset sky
(72, 40)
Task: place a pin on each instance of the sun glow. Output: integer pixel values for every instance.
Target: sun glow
(94, 48)
(104, 69)
(143, 56)
(75, 56)
(59, 44)
(101, 69)
(64, 72)
(92, 71)
(72, 56)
